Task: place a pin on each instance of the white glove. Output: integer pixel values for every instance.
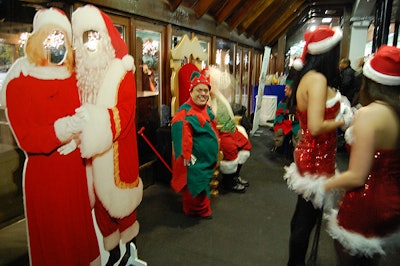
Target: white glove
(67, 126)
(76, 123)
(82, 112)
(67, 148)
(345, 112)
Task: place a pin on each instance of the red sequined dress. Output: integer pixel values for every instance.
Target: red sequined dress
(314, 156)
(368, 220)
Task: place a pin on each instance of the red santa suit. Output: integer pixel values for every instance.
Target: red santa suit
(38, 102)
(109, 136)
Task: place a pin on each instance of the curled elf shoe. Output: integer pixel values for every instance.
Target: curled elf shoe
(242, 181)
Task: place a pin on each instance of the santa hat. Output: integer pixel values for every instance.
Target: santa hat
(319, 41)
(384, 66)
(90, 17)
(52, 16)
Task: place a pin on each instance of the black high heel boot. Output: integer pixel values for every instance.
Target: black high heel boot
(127, 254)
(115, 254)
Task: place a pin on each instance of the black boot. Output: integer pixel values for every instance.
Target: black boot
(127, 254)
(115, 253)
(231, 183)
(242, 181)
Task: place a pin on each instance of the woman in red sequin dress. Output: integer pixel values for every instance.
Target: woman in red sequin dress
(368, 221)
(318, 104)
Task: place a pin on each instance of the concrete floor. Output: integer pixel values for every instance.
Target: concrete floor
(246, 229)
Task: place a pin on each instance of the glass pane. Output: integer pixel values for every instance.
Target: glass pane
(245, 77)
(148, 78)
(224, 59)
(11, 157)
(150, 61)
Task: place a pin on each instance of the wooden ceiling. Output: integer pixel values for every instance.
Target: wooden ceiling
(264, 20)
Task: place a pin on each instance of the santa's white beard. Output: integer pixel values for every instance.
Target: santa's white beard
(91, 69)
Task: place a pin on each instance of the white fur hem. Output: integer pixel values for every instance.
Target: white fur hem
(228, 167)
(308, 186)
(358, 244)
(96, 135)
(118, 202)
(243, 156)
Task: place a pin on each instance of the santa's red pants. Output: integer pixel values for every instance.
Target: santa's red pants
(108, 224)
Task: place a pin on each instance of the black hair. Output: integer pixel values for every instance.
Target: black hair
(325, 63)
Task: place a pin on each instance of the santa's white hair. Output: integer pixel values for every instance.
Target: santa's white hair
(91, 67)
(222, 84)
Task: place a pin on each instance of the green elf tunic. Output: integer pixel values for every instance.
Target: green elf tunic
(195, 144)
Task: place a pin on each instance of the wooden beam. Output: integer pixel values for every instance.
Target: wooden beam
(202, 6)
(226, 10)
(256, 12)
(270, 17)
(174, 4)
(239, 16)
(272, 35)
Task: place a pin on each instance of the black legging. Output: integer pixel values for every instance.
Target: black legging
(303, 221)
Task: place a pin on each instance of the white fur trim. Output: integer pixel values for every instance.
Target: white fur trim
(86, 18)
(332, 101)
(96, 135)
(129, 233)
(378, 77)
(242, 131)
(310, 187)
(358, 244)
(349, 136)
(51, 16)
(243, 156)
(298, 64)
(118, 202)
(61, 129)
(108, 91)
(228, 167)
(128, 62)
(326, 44)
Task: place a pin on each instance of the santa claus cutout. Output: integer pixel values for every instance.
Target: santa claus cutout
(106, 83)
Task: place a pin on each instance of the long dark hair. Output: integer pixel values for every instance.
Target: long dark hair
(326, 64)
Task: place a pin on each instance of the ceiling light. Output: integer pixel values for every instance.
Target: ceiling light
(326, 20)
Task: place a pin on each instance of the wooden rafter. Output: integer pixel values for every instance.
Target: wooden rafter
(202, 7)
(270, 36)
(174, 4)
(239, 16)
(224, 12)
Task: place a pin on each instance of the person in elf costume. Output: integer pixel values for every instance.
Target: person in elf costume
(40, 97)
(195, 144)
(234, 141)
(106, 82)
(286, 125)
